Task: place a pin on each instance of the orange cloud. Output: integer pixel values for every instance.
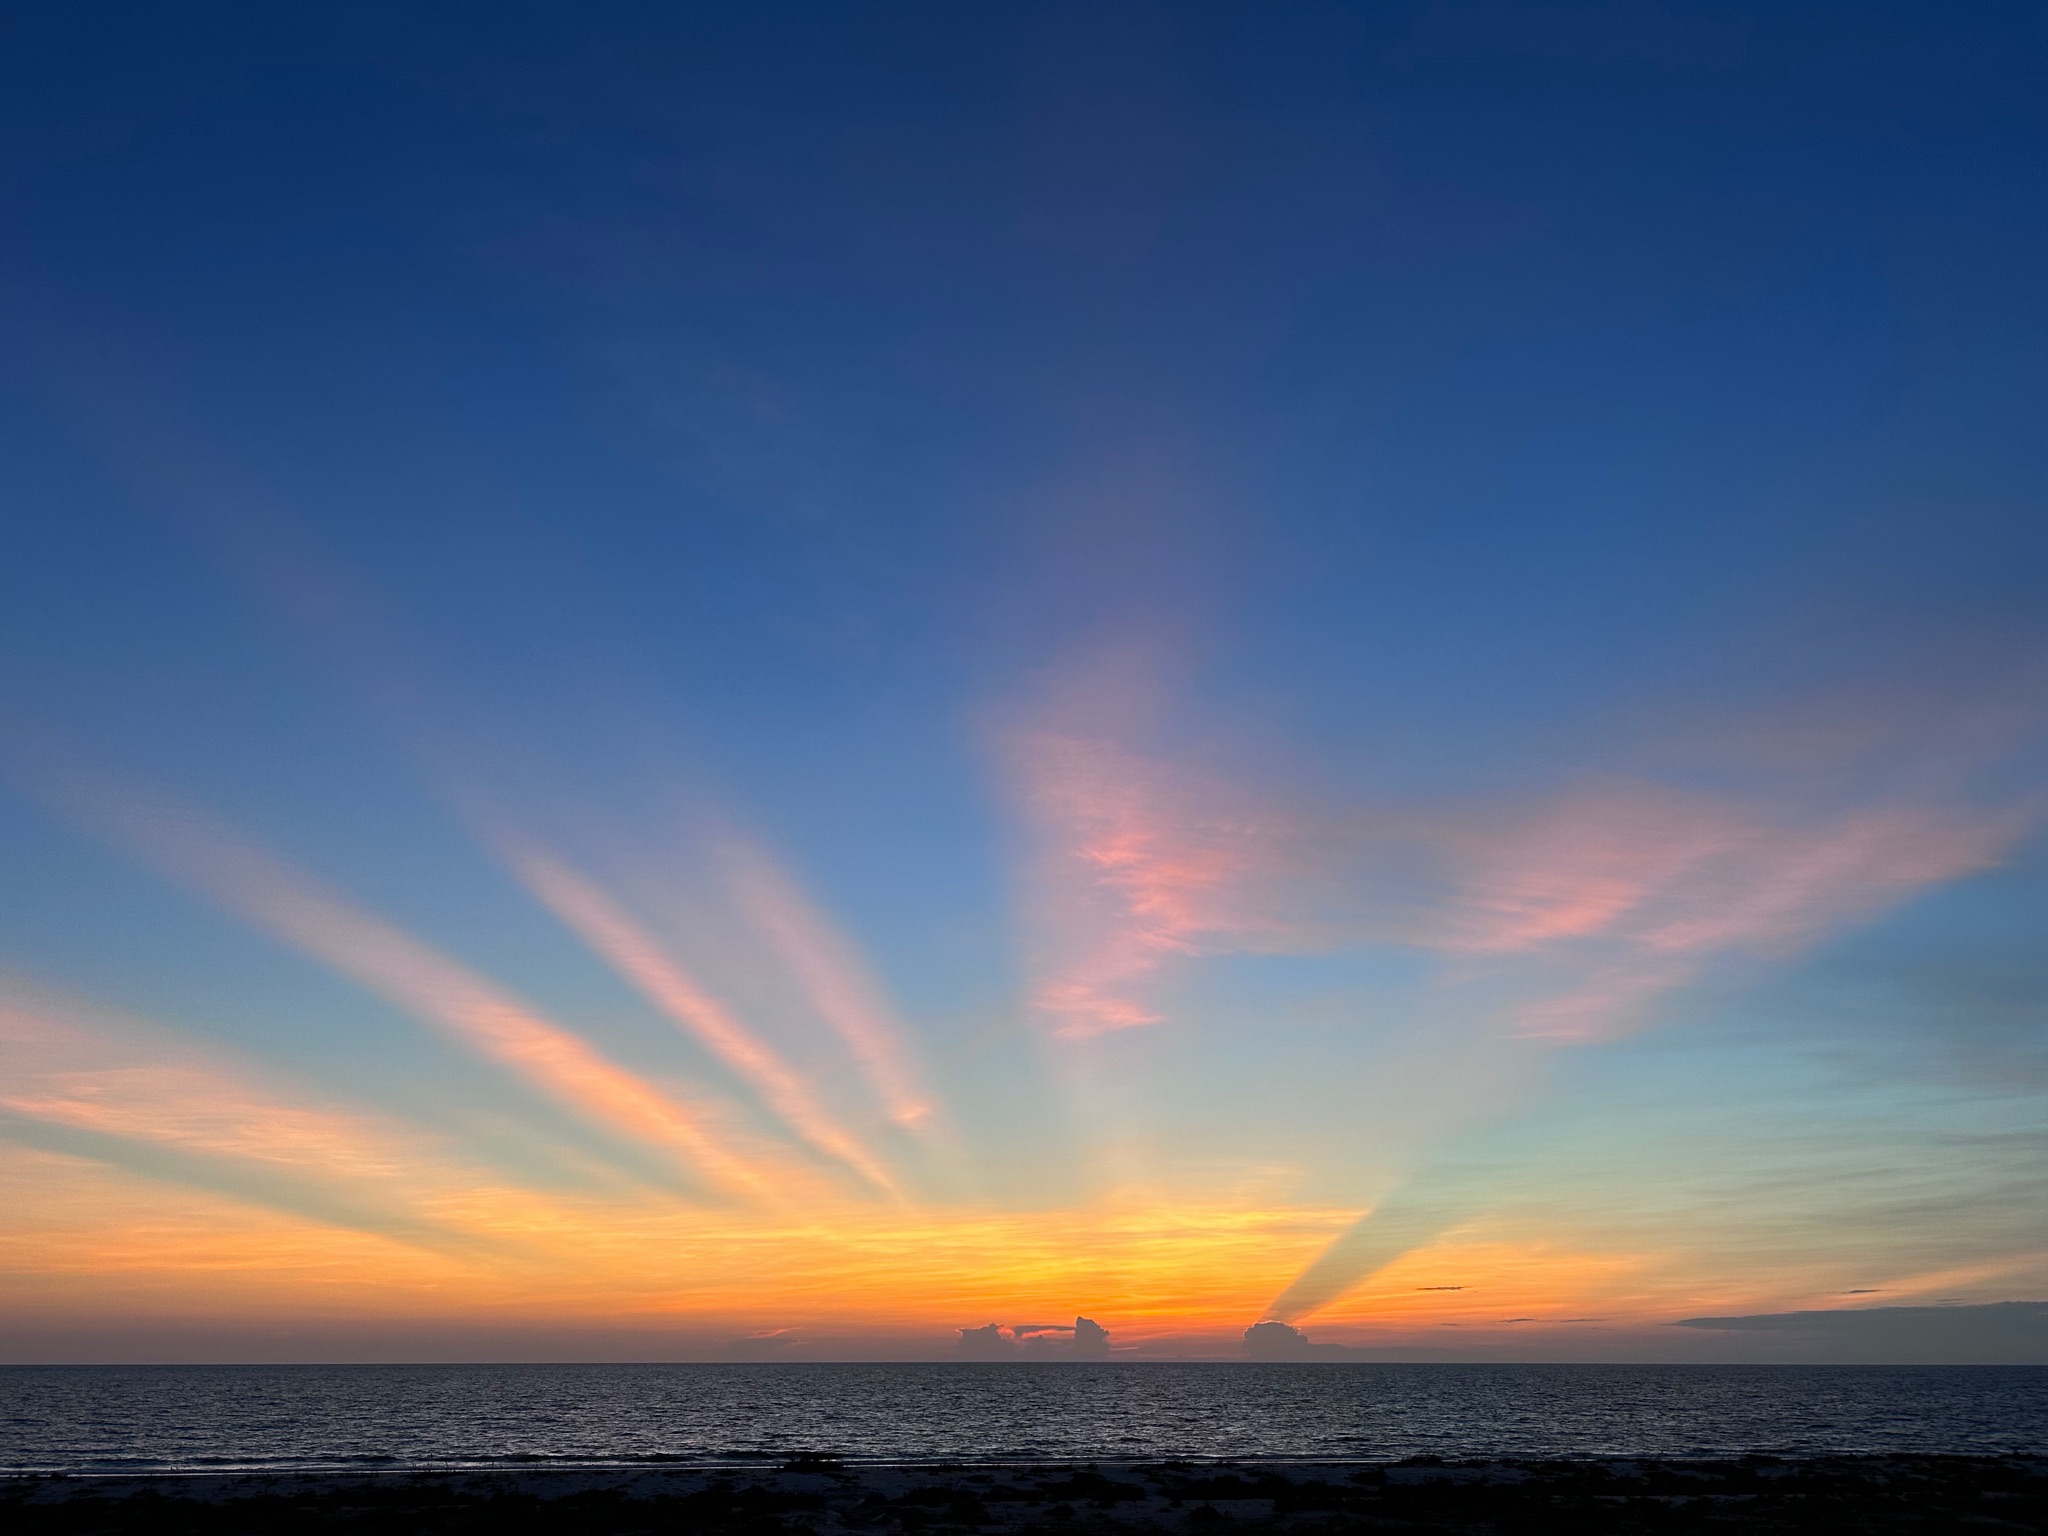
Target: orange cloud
(261, 888)
(72, 1067)
(97, 1240)
(122, 1090)
(607, 928)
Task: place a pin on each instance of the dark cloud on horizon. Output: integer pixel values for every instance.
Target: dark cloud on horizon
(1035, 1341)
(1993, 1333)
(1278, 1341)
(759, 1346)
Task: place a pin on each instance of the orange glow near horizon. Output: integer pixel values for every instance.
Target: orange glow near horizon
(151, 1175)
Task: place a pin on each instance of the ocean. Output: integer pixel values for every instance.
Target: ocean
(139, 1419)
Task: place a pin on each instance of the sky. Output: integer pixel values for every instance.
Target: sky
(821, 681)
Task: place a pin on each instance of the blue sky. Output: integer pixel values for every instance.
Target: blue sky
(1104, 639)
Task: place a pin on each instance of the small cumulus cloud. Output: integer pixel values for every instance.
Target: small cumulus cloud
(986, 1342)
(1275, 1340)
(1082, 1339)
(1091, 1340)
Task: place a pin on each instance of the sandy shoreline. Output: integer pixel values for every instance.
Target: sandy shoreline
(1866, 1493)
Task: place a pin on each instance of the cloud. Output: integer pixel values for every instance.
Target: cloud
(759, 1346)
(838, 984)
(1139, 864)
(88, 1083)
(637, 956)
(2003, 1332)
(1575, 910)
(988, 1342)
(1612, 895)
(1275, 1340)
(206, 854)
(1091, 1340)
(1035, 1341)
(1560, 917)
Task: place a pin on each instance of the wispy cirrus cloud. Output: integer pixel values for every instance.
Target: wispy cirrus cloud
(204, 853)
(1613, 894)
(839, 985)
(1566, 915)
(641, 959)
(89, 1083)
(81, 1067)
(1575, 907)
(1137, 864)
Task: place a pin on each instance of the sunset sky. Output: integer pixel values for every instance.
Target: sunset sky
(767, 681)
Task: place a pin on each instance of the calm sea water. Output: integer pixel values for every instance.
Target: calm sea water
(140, 1418)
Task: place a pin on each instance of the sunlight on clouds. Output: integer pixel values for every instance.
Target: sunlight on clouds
(155, 1174)
(249, 881)
(1627, 890)
(840, 988)
(1565, 919)
(1140, 865)
(1590, 904)
(87, 1070)
(89, 1234)
(634, 952)
(160, 1106)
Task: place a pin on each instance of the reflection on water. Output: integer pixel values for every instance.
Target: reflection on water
(75, 1418)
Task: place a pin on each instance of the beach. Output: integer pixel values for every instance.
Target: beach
(821, 1494)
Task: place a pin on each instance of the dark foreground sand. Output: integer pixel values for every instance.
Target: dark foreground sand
(1872, 1493)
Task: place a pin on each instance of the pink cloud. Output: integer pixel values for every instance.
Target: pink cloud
(1586, 906)
(1576, 867)
(1782, 885)
(1630, 890)
(1138, 864)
